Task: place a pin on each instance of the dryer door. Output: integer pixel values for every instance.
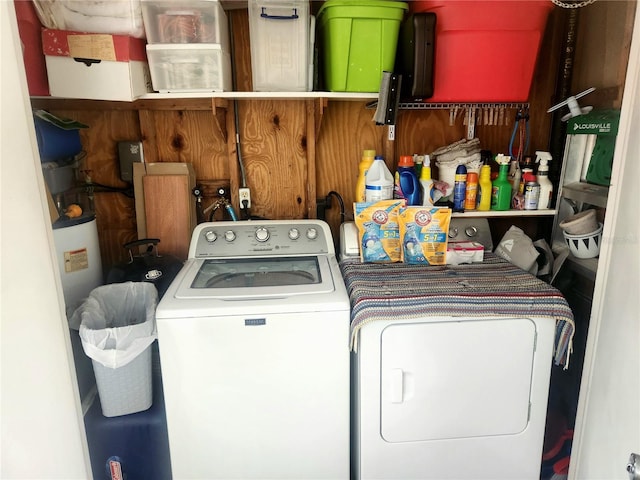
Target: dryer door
(456, 379)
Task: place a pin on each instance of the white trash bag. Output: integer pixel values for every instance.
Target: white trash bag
(117, 322)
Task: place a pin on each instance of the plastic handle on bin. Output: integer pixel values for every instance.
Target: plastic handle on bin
(279, 17)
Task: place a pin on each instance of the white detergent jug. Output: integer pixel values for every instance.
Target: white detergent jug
(378, 181)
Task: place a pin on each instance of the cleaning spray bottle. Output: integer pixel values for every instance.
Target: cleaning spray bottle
(365, 163)
(546, 187)
(500, 187)
(407, 185)
(426, 183)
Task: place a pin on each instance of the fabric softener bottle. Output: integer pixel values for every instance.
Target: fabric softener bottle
(407, 185)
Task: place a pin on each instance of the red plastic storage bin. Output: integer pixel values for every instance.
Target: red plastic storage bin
(486, 51)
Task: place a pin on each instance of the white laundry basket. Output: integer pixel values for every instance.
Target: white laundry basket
(584, 245)
(117, 328)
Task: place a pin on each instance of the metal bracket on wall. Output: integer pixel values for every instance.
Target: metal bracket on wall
(473, 114)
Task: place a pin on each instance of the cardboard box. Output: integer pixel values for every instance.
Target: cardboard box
(95, 66)
(165, 206)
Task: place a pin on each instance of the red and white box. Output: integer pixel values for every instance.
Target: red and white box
(464, 252)
(95, 66)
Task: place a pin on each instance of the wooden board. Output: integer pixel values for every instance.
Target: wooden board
(167, 212)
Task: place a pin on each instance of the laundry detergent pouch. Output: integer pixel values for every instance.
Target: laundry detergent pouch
(424, 233)
(378, 231)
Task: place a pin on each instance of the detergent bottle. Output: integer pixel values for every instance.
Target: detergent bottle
(500, 187)
(365, 163)
(484, 190)
(406, 182)
(426, 183)
(378, 181)
(546, 187)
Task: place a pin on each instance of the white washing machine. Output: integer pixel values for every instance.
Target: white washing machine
(254, 347)
(443, 388)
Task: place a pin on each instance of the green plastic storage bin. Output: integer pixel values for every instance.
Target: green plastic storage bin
(358, 42)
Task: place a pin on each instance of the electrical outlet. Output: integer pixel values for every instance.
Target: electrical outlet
(244, 195)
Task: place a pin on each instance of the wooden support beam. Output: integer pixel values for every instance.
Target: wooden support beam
(314, 118)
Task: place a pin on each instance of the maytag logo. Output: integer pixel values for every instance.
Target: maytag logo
(601, 127)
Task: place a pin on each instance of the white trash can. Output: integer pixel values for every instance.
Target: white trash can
(117, 328)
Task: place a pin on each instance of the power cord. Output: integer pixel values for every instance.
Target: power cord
(323, 204)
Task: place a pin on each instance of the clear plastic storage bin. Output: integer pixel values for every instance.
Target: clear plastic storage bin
(192, 21)
(282, 36)
(189, 68)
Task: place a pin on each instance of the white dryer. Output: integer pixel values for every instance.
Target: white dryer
(451, 398)
(254, 347)
(451, 368)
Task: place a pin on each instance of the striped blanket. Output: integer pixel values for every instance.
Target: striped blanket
(492, 288)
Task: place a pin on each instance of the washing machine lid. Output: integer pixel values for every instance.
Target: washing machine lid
(456, 379)
(255, 277)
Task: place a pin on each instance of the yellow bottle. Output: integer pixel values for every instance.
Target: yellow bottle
(365, 163)
(484, 190)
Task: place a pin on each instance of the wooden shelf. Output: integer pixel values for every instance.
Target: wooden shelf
(595, 195)
(356, 96)
(506, 213)
(587, 267)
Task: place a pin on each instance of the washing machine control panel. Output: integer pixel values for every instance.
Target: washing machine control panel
(463, 229)
(249, 238)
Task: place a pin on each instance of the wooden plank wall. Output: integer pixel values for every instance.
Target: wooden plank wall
(294, 151)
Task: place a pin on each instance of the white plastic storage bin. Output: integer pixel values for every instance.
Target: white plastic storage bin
(191, 21)
(195, 67)
(281, 34)
(118, 17)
